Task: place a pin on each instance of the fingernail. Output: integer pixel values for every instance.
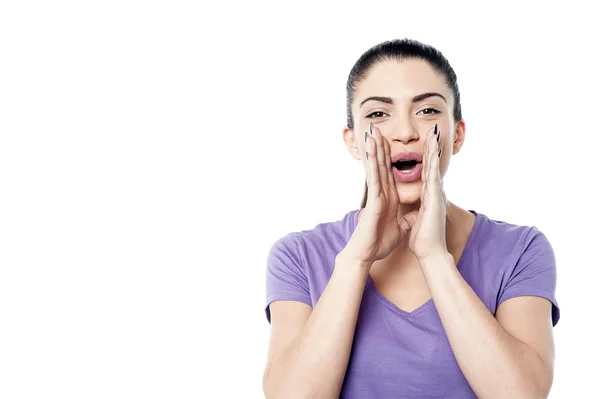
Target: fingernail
(367, 155)
(438, 139)
(371, 128)
(365, 137)
(435, 131)
(440, 153)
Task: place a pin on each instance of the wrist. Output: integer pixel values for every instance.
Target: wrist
(348, 261)
(434, 257)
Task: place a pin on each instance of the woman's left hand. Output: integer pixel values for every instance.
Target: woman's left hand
(428, 234)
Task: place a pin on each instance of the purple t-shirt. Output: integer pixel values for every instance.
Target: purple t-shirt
(407, 354)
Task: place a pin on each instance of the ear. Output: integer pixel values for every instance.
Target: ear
(459, 137)
(351, 143)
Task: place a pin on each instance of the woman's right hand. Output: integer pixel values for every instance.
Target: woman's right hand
(381, 229)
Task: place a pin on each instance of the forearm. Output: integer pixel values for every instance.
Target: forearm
(314, 365)
(496, 364)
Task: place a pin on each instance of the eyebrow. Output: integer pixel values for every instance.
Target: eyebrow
(416, 99)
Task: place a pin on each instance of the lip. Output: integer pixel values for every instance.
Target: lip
(408, 177)
(415, 173)
(407, 156)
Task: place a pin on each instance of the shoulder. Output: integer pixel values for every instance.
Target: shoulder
(508, 259)
(517, 244)
(311, 252)
(323, 236)
(300, 262)
(507, 240)
(516, 259)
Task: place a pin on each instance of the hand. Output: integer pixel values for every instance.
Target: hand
(428, 235)
(381, 228)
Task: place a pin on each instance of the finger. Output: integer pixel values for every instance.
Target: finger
(423, 192)
(440, 148)
(381, 166)
(434, 149)
(436, 137)
(438, 145)
(388, 163)
(436, 159)
(424, 160)
(430, 144)
(424, 174)
(430, 188)
(432, 178)
(430, 152)
(426, 151)
(373, 181)
(444, 197)
(408, 221)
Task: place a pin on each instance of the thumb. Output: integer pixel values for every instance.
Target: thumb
(408, 221)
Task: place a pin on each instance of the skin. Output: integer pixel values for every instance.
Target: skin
(412, 258)
(510, 354)
(404, 125)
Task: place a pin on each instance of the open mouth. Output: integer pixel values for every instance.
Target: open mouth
(405, 166)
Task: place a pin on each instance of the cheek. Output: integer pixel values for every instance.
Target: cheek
(444, 163)
(361, 142)
(446, 130)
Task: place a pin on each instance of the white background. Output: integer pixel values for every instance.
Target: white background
(151, 152)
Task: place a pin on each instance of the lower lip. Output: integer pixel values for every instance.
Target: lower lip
(407, 177)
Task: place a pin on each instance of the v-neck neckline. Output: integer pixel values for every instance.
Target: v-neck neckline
(371, 284)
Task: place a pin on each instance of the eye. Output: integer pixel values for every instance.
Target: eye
(376, 112)
(431, 111)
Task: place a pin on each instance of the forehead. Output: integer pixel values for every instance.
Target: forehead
(402, 80)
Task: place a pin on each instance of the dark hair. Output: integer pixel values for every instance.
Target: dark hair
(399, 49)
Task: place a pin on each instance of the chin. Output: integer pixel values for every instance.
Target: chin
(409, 194)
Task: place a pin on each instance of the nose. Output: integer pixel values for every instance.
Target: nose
(402, 130)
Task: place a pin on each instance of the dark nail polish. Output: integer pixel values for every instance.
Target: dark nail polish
(371, 128)
(365, 137)
(440, 153)
(367, 155)
(435, 131)
(438, 139)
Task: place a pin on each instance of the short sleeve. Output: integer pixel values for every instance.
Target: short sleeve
(286, 273)
(534, 273)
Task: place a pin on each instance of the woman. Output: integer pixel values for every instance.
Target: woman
(409, 296)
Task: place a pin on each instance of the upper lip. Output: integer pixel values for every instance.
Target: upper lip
(406, 156)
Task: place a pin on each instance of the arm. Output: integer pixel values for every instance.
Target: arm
(511, 356)
(313, 363)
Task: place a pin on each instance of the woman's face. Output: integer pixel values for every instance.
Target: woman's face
(404, 113)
